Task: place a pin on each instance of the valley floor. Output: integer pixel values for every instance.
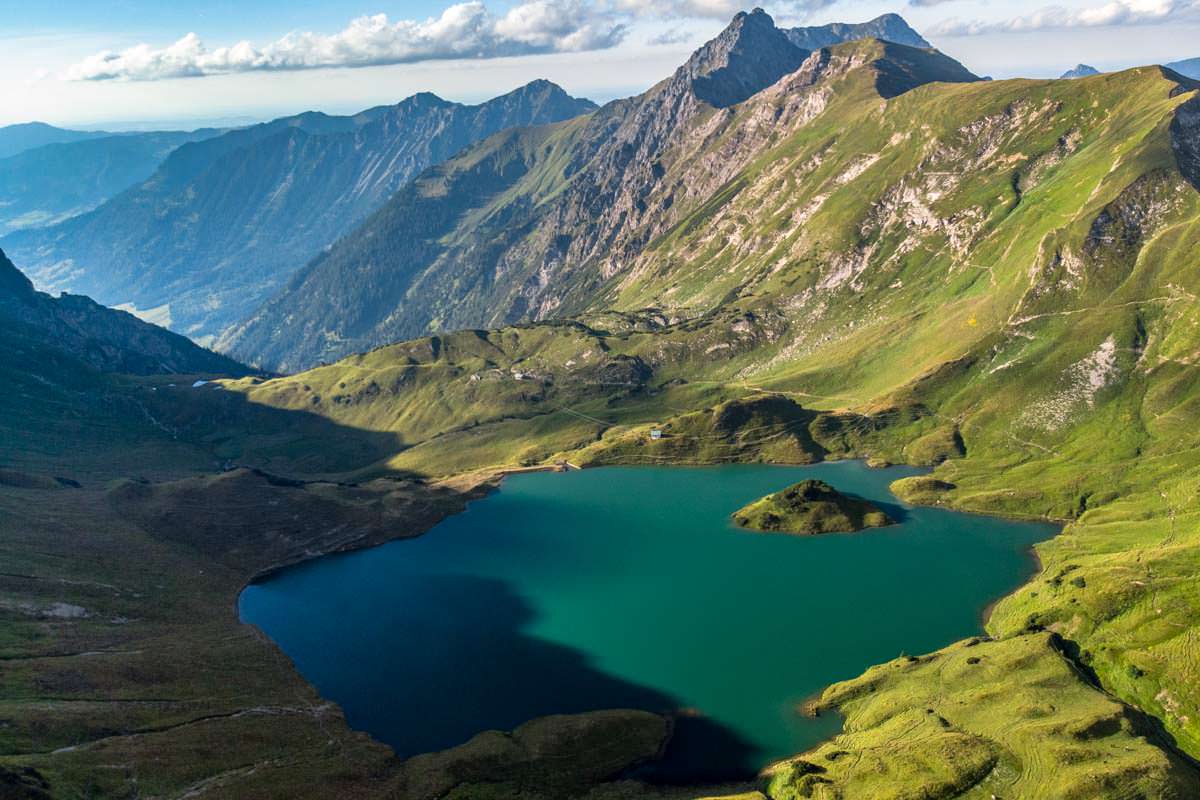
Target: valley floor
(127, 673)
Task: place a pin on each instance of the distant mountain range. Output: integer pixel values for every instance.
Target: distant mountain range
(223, 222)
(47, 184)
(28, 135)
(1189, 68)
(35, 324)
(542, 222)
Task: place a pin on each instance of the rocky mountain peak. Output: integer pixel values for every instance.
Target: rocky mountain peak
(1080, 71)
(888, 27)
(423, 100)
(748, 56)
(540, 86)
(542, 91)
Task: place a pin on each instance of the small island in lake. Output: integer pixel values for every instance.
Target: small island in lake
(808, 508)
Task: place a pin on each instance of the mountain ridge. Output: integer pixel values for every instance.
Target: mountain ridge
(748, 56)
(887, 27)
(1080, 71)
(18, 138)
(53, 182)
(224, 221)
(606, 177)
(104, 339)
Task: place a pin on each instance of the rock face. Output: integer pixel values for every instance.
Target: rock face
(541, 223)
(223, 222)
(1185, 140)
(105, 339)
(888, 27)
(809, 508)
(747, 57)
(1080, 71)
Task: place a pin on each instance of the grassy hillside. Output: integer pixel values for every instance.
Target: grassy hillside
(996, 278)
(543, 223)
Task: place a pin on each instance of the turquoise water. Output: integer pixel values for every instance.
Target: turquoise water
(628, 587)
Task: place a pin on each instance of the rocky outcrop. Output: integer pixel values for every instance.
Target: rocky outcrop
(747, 57)
(768, 429)
(1185, 140)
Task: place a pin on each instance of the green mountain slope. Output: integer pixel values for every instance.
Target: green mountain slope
(223, 222)
(860, 259)
(994, 277)
(544, 222)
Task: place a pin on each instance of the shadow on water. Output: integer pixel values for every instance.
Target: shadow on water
(896, 512)
(470, 666)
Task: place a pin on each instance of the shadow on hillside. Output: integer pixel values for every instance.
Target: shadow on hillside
(424, 662)
(1146, 725)
(278, 440)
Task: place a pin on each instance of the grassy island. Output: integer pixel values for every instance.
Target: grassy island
(809, 508)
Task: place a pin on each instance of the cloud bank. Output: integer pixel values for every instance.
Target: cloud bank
(1115, 12)
(465, 30)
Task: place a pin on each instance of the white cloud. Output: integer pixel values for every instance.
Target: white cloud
(1114, 12)
(722, 10)
(670, 37)
(465, 30)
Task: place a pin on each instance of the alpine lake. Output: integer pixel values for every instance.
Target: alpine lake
(630, 587)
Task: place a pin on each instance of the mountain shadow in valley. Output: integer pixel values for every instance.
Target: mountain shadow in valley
(440, 658)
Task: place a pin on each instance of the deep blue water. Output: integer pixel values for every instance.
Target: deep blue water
(629, 587)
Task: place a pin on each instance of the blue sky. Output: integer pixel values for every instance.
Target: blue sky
(129, 63)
